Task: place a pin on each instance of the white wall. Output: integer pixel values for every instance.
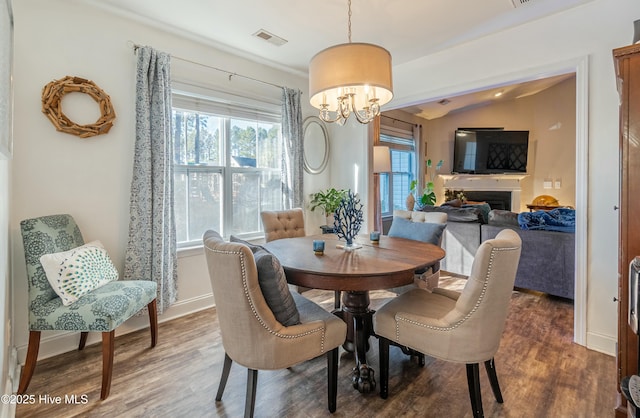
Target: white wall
(592, 30)
(349, 164)
(90, 178)
(8, 361)
(314, 183)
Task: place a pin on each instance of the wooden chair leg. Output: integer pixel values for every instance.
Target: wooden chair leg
(226, 368)
(153, 321)
(473, 380)
(30, 362)
(332, 379)
(490, 365)
(252, 384)
(83, 340)
(336, 303)
(383, 349)
(107, 362)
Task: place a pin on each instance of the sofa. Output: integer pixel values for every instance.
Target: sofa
(547, 260)
(461, 237)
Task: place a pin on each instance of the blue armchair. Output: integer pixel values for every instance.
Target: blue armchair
(101, 310)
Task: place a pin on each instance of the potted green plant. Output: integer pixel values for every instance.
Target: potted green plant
(428, 196)
(327, 201)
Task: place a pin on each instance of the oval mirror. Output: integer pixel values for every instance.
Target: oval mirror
(316, 145)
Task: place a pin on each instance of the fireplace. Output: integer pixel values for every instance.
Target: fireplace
(496, 199)
(501, 191)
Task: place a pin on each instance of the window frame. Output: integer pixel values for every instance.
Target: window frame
(226, 111)
(397, 140)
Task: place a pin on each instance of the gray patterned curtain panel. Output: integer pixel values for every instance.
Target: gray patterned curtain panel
(292, 152)
(151, 250)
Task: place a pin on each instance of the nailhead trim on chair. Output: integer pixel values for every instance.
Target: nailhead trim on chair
(255, 312)
(475, 308)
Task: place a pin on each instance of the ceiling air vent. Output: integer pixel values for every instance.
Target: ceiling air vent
(270, 37)
(521, 3)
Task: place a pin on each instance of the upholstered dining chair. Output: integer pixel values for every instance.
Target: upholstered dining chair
(419, 226)
(101, 310)
(280, 224)
(289, 223)
(463, 327)
(251, 334)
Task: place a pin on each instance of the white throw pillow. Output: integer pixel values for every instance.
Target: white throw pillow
(78, 271)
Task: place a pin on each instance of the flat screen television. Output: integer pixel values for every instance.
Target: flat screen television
(490, 151)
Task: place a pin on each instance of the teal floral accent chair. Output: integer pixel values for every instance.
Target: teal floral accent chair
(101, 310)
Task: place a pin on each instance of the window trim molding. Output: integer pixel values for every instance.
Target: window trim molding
(406, 135)
(242, 108)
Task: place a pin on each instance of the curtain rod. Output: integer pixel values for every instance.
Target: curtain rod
(399, 120)
(230, 73)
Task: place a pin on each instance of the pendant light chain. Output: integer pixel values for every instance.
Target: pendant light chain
(349, 20)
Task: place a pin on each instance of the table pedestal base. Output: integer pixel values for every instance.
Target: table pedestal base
(358, 317)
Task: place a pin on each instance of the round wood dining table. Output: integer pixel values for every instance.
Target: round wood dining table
(389, 263)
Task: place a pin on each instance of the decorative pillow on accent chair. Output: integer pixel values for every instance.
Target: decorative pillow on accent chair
(417, 231)
(78, 271)
(273, 284)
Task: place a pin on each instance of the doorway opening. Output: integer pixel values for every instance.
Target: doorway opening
(579, 68)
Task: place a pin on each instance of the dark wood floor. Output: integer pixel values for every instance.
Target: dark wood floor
(541, 372)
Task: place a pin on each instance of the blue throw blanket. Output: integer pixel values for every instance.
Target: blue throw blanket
(561, 220)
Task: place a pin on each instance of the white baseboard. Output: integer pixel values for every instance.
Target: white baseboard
(7, 409)
(53, 344)
(601, 343)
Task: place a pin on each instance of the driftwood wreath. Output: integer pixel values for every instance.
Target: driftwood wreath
(52, 95)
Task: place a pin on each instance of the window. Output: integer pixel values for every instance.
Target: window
(227, 168)
(394, 186)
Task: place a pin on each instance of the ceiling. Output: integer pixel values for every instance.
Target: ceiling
(433, 110)
(409, 29)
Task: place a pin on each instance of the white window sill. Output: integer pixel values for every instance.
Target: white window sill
(197, 250)
(190, 251)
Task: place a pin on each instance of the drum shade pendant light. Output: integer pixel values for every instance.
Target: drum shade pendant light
(350, 78)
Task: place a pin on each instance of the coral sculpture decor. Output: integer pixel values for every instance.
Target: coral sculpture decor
(348, 219)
